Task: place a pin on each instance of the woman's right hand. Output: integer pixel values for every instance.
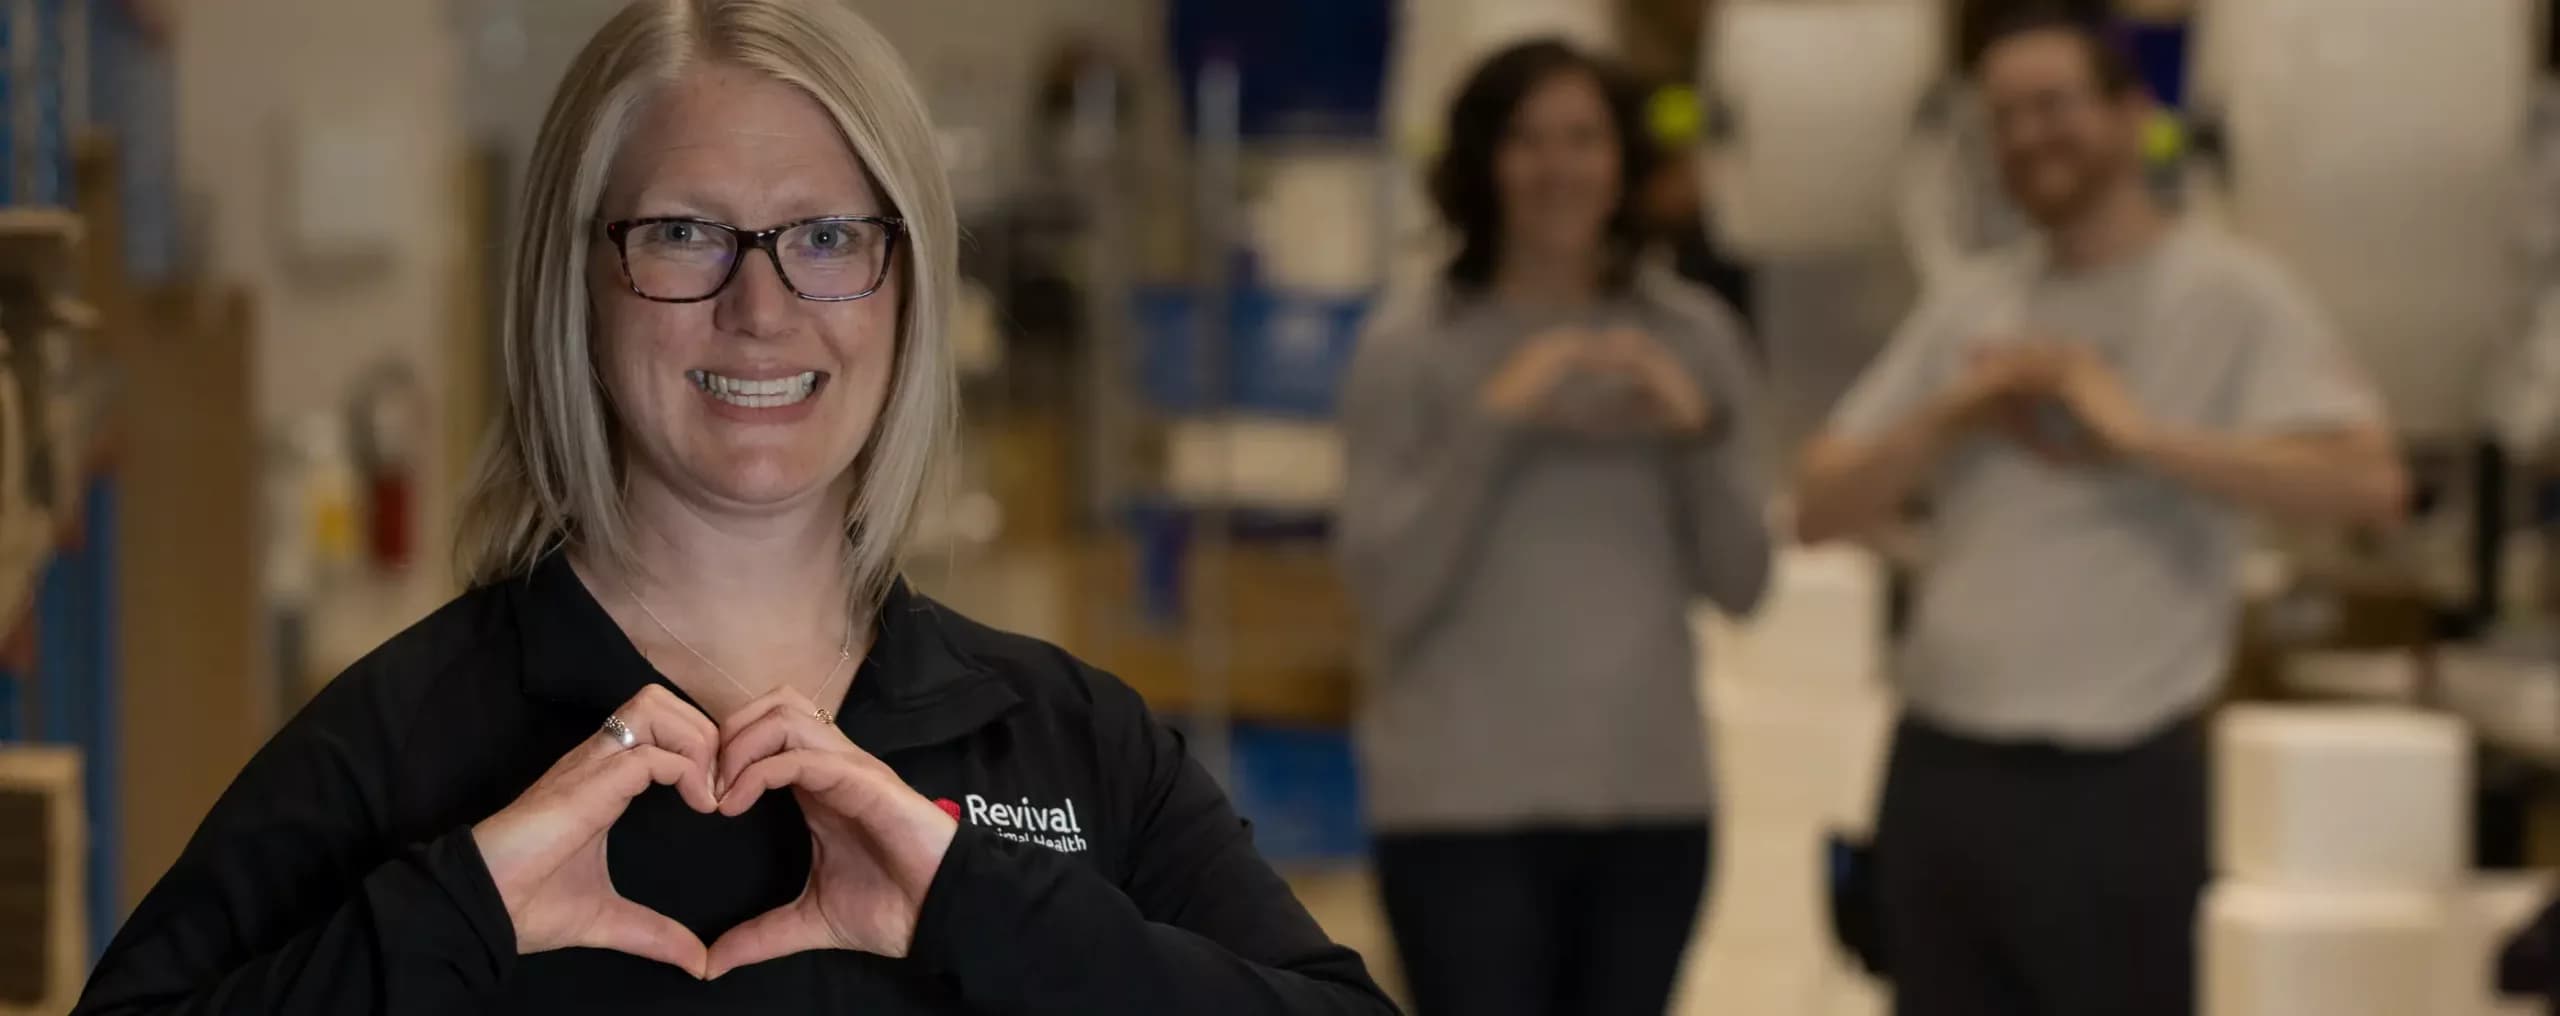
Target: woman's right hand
(546, 851)
(1522, 387)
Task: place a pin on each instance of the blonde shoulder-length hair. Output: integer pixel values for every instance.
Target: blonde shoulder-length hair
(551, 474)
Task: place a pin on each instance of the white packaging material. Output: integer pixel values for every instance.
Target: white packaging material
(1262, 463)
(2377, 146)
(1821, 625)
(1791, 757)
(2341, 797)
(2279, 952)
(1810, 159)
(1316, 222)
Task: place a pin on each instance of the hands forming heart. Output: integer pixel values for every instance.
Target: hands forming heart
(2059, 400)
(875, 843)
(1663, 397)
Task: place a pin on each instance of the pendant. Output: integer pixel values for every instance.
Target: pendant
(826, 717)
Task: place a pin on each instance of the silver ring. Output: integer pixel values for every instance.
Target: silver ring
(621, 732)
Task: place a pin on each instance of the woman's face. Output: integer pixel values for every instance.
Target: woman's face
(1558, 168)
(754, 399)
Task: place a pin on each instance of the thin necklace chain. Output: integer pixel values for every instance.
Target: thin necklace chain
(844, 654)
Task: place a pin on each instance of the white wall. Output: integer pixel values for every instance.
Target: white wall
(250, 73)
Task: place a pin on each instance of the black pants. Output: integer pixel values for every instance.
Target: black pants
(2022, 880)
(1545, 922)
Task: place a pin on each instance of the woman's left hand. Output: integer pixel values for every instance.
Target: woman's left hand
(874, 842)
(1679, 405)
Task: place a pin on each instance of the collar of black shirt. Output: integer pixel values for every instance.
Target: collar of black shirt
(914, 689)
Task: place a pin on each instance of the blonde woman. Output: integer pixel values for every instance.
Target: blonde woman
(688, 745)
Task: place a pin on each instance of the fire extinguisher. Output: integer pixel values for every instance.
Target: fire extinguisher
(389, 421)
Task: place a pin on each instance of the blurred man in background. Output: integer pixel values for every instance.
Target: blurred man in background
(2090, 413)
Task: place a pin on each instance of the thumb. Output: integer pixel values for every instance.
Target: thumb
(774, 934)
(627, 927)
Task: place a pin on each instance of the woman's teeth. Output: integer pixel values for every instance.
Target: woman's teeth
(772, 394)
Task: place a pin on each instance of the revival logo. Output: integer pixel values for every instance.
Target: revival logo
(1056, 828)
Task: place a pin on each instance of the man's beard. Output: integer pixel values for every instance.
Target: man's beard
(2091, 182)
(2090, 188)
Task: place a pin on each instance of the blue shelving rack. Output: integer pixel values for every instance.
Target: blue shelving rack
(70, 695)
(69, 67)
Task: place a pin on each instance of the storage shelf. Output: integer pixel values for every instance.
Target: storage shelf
(28, 533)
(37, 239)
(26, 542)
(75, 313)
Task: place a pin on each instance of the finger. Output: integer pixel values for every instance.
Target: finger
(685, 713)
(627, 927)
(777, 731)
(782, 931)
(779, 698)
(659, 718)
(819, 773)
(615, 781)
(784, 701)
(637, 713)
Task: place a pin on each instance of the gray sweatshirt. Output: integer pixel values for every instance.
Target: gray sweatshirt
(1525, 593)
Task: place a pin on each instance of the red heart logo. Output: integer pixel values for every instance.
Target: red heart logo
(948, 806)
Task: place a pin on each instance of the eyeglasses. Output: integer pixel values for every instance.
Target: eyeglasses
(685, 260)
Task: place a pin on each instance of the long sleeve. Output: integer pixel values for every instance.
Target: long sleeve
(1198, 922)
(1723, 520)
(288, 901)
(1421, 479)
(1720, 499)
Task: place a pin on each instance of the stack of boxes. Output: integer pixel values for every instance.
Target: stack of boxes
(2343, 865)
(1798, 719)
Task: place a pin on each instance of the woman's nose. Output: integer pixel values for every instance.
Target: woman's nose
(758, 302)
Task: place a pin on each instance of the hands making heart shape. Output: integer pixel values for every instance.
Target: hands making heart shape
(1664, 398)
(875, 843)
(2059, 400)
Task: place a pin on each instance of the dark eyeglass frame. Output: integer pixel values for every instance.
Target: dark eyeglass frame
(744, 240)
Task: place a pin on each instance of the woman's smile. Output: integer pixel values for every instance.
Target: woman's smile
(760, 397)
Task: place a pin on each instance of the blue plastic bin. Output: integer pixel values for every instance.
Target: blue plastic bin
(1300, 787)
(1284, 355)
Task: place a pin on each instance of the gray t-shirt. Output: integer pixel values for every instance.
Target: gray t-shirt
(2090, 605)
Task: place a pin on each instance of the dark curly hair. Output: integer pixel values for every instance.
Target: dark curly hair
(1462, 182)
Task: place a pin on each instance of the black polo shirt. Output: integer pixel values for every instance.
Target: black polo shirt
(1098, 868)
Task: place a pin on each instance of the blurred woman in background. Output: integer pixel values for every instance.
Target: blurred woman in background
(1548, 465)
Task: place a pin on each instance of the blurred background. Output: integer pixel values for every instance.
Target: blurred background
(250, 258)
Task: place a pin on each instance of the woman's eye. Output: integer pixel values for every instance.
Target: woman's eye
(828, 240)
(675, 234)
